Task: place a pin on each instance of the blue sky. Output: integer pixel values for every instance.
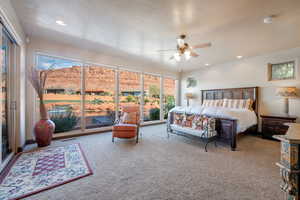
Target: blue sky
(44, 62)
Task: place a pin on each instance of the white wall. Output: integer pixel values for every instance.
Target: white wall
(11, 22)
(248, 72)
(44, 45)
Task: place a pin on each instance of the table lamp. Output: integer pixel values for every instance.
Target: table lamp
(286, 93)
(188, 97)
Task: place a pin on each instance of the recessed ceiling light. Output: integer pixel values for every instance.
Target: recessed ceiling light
(268, 20)
(207, 64)
(239, 57)
(59, 22)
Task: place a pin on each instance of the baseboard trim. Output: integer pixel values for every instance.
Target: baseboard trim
(31, 141)
(90, 132)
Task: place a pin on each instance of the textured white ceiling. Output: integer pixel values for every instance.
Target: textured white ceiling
(139, 28)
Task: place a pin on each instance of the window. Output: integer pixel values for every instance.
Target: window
(63, 92)
(99, 96)
(130, 88)
(83, 96)
(169, 95)
(282, 71)
(151, 97)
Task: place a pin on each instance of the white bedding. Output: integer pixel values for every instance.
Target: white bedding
(245, 118)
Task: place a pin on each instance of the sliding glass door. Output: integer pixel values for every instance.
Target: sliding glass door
(6, 119)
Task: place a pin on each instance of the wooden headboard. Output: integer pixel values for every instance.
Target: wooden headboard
(233, 93)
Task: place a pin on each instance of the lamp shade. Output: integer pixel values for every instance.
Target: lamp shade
(287, 92)
(189, 95)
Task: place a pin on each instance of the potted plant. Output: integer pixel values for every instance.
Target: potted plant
(44, 128)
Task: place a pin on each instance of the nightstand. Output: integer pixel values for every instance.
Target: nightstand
(274, 124)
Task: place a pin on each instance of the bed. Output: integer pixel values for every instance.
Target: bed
(228, 122)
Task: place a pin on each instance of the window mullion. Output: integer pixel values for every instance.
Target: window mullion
(83, 124)
(117, 92)
(142, 97)
(161, 105)
(177, 92)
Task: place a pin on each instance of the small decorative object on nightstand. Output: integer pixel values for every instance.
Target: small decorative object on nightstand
(275, 124)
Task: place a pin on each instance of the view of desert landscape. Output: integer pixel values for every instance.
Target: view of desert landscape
(64, 95)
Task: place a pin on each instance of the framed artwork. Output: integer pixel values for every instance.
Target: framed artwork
(191, 82)
(282, 71)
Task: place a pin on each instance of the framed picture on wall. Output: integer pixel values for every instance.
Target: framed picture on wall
(191, 82)
(282, 71)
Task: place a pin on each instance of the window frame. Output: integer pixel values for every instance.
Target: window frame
(161, 77)
(117, 70)
(270, 69)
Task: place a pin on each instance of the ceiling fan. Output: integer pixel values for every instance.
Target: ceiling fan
(184, 49)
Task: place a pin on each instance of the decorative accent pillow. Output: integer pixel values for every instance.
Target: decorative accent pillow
(178, 118)
(238, 103)
(209, 127)
(212, 102)
(198, 122)
(188, 120)
(129, 118)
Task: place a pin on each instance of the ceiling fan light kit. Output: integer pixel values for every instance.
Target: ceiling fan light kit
(187, 55)
(177, 56)
(185, 50)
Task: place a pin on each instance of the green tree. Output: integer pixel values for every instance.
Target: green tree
(130, 98)
(154, 91)
(146, 100)
(169, 104)
(154, 113)
(97, 101)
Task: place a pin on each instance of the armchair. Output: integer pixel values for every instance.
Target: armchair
(128, 124)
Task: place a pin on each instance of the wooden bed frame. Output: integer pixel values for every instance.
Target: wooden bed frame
(227, 128)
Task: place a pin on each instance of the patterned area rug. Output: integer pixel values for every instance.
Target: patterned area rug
(36, 171)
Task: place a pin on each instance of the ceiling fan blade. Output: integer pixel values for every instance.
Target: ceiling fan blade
(194, 54)
(180, 42)
(201, 45)
(166, 50)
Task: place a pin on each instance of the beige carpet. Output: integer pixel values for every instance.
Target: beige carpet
(174, 168)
